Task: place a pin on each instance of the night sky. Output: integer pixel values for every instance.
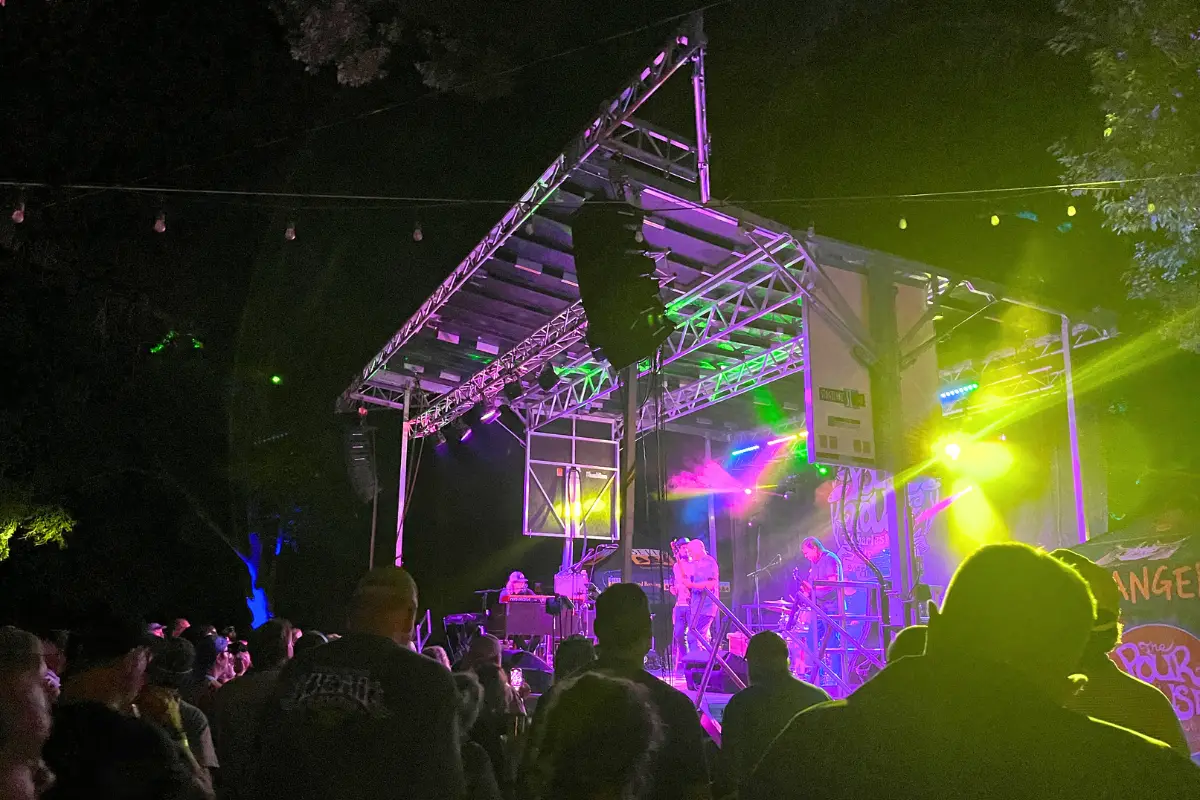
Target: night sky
(806, 100)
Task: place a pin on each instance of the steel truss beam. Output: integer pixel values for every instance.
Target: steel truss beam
(679, 51)
(525, 357)
(1013, 373)
(746, 290)
(759, 370)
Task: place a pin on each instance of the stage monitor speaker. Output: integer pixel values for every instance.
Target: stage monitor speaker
(626, 317)
(360, 462)
(693, 670)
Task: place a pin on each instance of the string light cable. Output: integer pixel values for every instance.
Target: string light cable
(355, 200)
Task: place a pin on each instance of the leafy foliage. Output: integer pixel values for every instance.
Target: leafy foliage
(38, 524)
(1145, 65)
(455, 45)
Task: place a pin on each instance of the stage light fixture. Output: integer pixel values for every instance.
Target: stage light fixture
(491, 412)
(276, 379)
(783, 439)
(513, 390)
(160, 222)
(952, 451)
(289, 232)
(439, 439)
(547, 378)
(958, 391)
(18, 215)
(460, 431)
(745, 450)
(748, 490)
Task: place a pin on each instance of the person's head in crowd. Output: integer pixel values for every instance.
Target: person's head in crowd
(179, 626)
(1013, 605)
(438, 654)
(696, 549)
(812, 549)
(157, 629)
(171, 664)
(54, 650)
(240, 650)
(470, 700)
(208, 630)
(213, 661)
(497, 692)
(622, 624)
(271, 644)
(767, 658)
(600, 736)
(230, 633)
(308, 641)
(1106, 625)
(573, 654)
(107, 659)
(385, 604)
(484, 649)
(24, 716)
(908, 642)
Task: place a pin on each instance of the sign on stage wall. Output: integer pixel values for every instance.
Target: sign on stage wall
(1169, 658)
(864, 514)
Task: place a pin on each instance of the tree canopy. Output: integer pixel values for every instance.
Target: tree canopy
(1145, 64)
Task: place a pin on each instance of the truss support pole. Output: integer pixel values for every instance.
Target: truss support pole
(700, 100)
(889, 433)
(402, 497)
(712, 506)
(1081, 523)
(628, 470)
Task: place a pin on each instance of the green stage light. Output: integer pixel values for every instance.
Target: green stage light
(276, 379)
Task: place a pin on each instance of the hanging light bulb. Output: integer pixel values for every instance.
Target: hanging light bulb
(903, 224)
(289, 233)
(1071, 211)
(995, 220)
(18, 215)
(160, 223)
(418, 235)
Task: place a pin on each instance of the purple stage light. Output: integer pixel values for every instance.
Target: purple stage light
(490, 415)
(466, 434)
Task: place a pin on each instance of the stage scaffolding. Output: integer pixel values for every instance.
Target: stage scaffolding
(735, 285)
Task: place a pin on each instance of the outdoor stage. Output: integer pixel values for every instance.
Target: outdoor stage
(753, 302)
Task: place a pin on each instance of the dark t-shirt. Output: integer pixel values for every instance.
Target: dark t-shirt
(361, 717)
(680, 767)
(756, 715)
(927, 729)
(96, 752)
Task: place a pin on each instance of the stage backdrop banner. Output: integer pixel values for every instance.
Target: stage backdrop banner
(1157, 569)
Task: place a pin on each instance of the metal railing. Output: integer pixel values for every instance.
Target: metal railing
(724, 620)
(851, 652)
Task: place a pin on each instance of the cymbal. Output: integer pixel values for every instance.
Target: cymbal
(780, 605)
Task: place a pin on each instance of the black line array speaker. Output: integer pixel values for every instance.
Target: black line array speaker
(360, 462)
(626, 317)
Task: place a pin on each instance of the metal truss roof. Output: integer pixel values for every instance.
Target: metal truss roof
(735, 285)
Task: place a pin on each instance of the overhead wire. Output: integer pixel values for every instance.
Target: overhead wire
(356, 200)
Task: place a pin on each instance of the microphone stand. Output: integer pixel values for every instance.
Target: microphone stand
(757, 603)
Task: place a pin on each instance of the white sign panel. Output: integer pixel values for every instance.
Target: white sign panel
(837, 388)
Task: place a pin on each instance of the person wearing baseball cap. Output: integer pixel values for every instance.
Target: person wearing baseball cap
(102, 745)
(365, 715)
(1112, 694)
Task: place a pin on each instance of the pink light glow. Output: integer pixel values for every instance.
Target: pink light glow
(490, 414)
(466, 434)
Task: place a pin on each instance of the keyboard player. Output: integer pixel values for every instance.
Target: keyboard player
(517, 586)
